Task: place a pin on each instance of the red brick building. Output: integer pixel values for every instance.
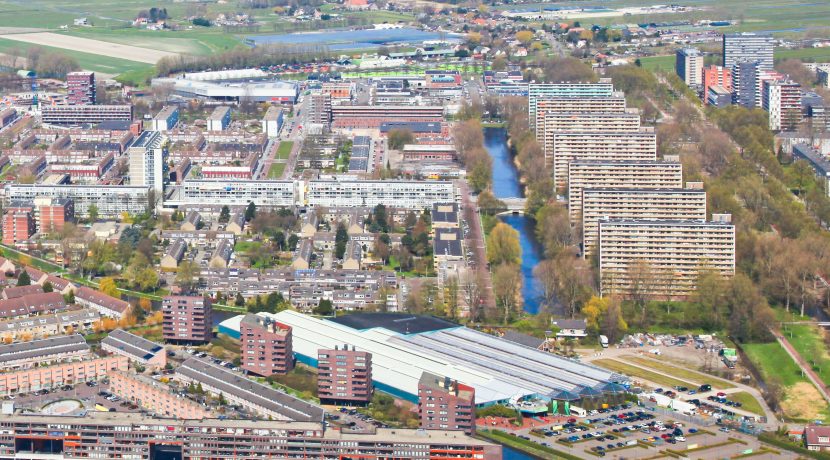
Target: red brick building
(266, 345)
(187, 319)
(55, 214)
(18, 223)
(715, 75)
(80, 88)
(445, 404)
(344, 376)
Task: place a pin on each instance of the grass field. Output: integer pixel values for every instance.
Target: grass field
(748, 402)
(198, 41)
(87, 61)
(809, 343)
(276, 170)
(284, 150)
(636, 372)
(682, 373)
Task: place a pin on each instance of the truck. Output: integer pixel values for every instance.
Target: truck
(578, 411)
(603, 340)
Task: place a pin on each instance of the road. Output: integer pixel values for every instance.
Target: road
(476, 242)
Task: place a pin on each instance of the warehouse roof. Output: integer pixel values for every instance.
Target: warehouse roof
(395, 322)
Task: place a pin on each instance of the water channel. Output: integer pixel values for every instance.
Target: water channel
(506, 185)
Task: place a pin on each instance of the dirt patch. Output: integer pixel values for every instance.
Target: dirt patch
(803, 401)
(86, 45)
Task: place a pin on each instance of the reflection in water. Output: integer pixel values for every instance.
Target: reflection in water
(505, 185)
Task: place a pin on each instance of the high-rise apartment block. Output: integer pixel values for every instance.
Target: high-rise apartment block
(542, 91)
(689, 66)
(54, 213)
(319, 109)
(570, 122)
(187, 319)
(782, 99)
(715, 75)
(748, 47)
(583, 105)
(18, 224)
(637, 204)
(166, 119)
(637, 145)
(148, 161)
(344, 376)
(266, 346)
(583, 174)
(445, 404)
(80, 88)
(663, 257)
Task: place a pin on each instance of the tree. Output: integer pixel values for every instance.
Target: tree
(397, 138)
(524, 36)
(250, 212)
(324, 308)
(545, 273)
(451, 297)
(341, 238)
(187, 275)
(23, 279)
(47, 287)
(507, 281)
(503, 245)
(613, 324)
(594, 312)
(225, 214)
(93, 213)
(472, 289)
(108, 287)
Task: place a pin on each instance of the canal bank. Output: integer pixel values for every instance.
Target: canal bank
(506, 184)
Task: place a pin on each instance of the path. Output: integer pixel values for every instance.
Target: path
(477, 244)
(806, 369)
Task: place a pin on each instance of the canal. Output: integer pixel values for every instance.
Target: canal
(506, 185)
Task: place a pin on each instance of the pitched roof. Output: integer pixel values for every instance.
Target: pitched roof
(523, 339)
(31, 303)
(813, 432)
(20, 291)
(99, 298)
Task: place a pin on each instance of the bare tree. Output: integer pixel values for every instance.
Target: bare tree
(507, 280)
(471, 287)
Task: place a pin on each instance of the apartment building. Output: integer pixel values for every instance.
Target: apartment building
(541, 91)
(636, 204)
(445, 404)
(105, 304)
(257, 397)
(715, 75)
(574, 122)
(319, 109)
(85, 114)
(148, 161)
(154, 396)
(60, 374)
(266, 346)
(689, 66)
(239, 193)
(662, 257)
(135, 348)
(187, 319)
(639, 145)
(583, 174)
(18, 225)
(80, 88)
(166, 119)
(23, 355)
(782, 100)
(748, 47)
(344, 376)
(400, 193)
(54, 213)
(272, 121)
(372, 116)
(219, 119)
(112, 201)
(46, 325)
(114, 435)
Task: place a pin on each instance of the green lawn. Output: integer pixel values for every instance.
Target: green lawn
(87, 61)
(682, 373)
(805, 54)
(657, 62)
(808, 342)
(773, 361)
(198, 41)
(284, 150)
(276, 170)
(636, 372)
(748, 402)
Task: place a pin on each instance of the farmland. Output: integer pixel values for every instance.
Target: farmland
(101, 48)
(103, 64)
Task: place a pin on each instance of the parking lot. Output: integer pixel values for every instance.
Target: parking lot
(92, 396)
(632, 431)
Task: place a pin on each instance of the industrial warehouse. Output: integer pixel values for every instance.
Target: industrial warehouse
(403, 347)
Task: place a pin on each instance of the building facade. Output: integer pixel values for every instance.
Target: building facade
(636, 204)
(445, 404)
(689, 66)
(344, 376)
(715, 75)
(748, 47)
(640, 145)
(154, 396)
(148, 161)
(662, 257)
(80, 88)
(60, 374)
(111, 201)
(782, 100)
(542, 91)
(85, 114)
(266, 346)
(187, 319)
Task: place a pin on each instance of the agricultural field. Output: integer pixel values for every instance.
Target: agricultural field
(101, 48)
(102, 64)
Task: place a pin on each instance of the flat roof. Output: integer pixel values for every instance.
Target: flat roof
(447, 242)
(231, 383)
(132, 344)
(445, 212)
(395, 322)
